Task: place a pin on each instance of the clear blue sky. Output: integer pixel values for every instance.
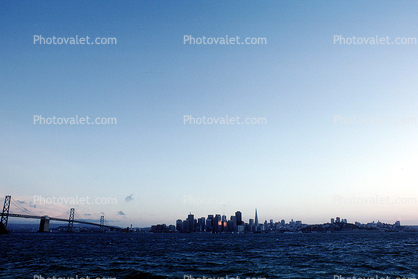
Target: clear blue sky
(300, 165)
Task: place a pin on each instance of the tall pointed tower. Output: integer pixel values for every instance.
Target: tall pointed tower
(256, 218)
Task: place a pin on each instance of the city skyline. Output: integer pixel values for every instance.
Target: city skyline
(223, 217)
(217, 223)
(25, 207)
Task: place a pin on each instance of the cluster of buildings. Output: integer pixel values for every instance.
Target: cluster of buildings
(341, 225)
(214, 223)
(219, 224)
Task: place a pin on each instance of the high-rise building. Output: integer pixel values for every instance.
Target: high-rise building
(238, 215)
(190, 218)
(201, 224)
(230, 226)
(209, 225)
(179, 225)
(234, 223)
(210, 217)
(186, 227)
(217, 223)
(256, 225)
(224, 226)
(223, 217)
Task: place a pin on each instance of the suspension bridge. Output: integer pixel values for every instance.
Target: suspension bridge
(44, 220)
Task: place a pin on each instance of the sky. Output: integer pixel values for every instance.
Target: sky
(308, 159)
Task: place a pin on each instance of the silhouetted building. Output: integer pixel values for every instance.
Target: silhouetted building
(179, 225)
(234, 223)
(186, 227)
(209, 226)
(217, 223)
(238, 215)
(190, 218)
(256, 220)
(201, 224)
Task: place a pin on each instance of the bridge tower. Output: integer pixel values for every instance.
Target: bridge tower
(101, 223)
(44, 225)
(71, 220)
(5, 214)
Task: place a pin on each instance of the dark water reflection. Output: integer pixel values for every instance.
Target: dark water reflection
(133, 255)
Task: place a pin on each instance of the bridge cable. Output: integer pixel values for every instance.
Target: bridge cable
(19, 206)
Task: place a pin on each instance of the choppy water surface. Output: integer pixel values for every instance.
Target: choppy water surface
(131, 255)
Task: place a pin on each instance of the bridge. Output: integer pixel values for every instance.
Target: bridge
(44, 220)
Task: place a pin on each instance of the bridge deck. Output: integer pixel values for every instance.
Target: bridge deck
(56, 219)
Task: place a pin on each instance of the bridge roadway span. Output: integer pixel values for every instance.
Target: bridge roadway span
(56, 219)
